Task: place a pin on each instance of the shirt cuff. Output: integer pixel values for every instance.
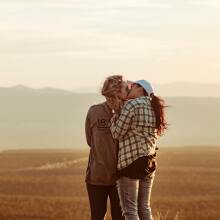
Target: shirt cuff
(114, 118)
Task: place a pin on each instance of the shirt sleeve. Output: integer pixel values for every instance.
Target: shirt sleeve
(122, 123)
(88, 129)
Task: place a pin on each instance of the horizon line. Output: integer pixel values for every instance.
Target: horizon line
(93, 86)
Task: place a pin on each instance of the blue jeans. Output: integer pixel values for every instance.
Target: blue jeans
(135, 196)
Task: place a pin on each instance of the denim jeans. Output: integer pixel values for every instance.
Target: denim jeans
(135, 196)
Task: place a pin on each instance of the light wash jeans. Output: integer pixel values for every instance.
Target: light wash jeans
(135, 196)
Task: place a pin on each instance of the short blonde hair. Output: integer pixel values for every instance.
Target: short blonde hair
(112, 85)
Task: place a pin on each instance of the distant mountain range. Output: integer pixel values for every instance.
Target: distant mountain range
(54, 118)
(166, 90)
(173, 90)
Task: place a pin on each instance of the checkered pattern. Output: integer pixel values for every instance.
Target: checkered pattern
(135, 128)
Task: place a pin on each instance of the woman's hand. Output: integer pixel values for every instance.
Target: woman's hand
(115, 103)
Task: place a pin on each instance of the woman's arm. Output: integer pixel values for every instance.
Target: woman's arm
(122, 123)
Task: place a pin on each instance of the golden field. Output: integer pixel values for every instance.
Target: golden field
(49, 184)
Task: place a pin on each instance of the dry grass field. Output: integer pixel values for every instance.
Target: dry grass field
(49, 184)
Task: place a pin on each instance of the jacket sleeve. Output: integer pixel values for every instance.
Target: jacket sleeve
(122, 123)
(88, 129)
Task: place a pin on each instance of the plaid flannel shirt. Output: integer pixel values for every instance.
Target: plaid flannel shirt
(135, 128)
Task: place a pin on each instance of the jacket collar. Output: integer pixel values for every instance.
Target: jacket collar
(107, 108)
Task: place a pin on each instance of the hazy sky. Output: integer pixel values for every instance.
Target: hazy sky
(74, 43)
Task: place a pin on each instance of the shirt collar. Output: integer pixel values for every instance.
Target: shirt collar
(145, 97)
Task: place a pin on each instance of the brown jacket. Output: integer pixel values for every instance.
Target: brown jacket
(102, 163)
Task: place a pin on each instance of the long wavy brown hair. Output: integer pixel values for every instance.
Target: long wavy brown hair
(158, 105)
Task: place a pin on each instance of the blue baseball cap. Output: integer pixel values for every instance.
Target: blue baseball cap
(146, 85)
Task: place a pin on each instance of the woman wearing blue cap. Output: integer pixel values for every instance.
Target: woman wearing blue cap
(137, 126)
